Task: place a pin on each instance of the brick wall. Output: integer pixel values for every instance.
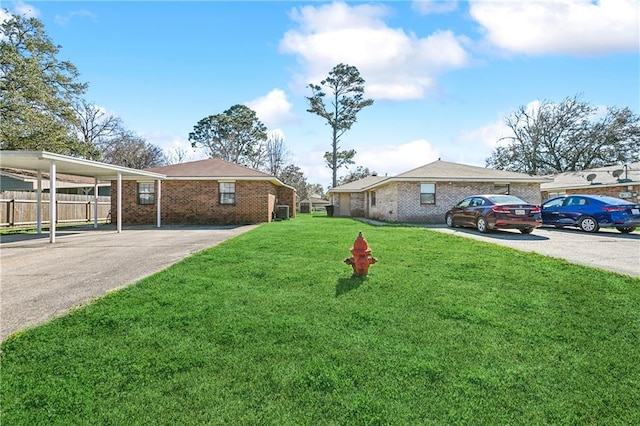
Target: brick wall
(386, 207)
(357, 204)
(196, 202)
(400, 201)
(287, 197)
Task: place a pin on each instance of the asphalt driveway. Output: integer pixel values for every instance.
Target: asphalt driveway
(40, 281)
(607, 249)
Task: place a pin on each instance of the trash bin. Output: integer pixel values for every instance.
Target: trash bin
(330, 210)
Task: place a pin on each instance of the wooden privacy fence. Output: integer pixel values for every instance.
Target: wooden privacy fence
(19, 208)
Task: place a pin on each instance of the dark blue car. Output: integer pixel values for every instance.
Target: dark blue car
(591, 212)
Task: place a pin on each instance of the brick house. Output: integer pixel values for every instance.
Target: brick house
(615, 181)
(211, 191)
(424, 194)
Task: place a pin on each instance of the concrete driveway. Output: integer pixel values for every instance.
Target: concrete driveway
(40, 281)
(607, 249)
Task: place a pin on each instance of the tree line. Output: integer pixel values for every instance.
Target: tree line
(42, 108)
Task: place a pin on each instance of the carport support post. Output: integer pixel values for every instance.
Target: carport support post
(52, 202)
(39, 204)
(95, 203)
(159, 204)
(119, 208)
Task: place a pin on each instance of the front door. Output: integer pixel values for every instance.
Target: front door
(344, 207)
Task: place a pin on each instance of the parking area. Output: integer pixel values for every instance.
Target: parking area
(607, 249)
(40, 281)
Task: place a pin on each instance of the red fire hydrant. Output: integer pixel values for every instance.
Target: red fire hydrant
(361, 258)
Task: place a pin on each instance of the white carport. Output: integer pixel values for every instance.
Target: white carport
(40, 161)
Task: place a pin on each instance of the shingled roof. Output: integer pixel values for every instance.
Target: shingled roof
(454, 172)
(211, 168)
(360, 184)
(439, 171)
(616, 175)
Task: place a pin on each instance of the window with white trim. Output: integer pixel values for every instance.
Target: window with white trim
(373, 198)
(227, 192)
(146, 193)
(427, 193)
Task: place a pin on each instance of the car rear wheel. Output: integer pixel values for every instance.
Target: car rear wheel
(589, 224)
(626, 229)
(449, 220)
(481, 225)
(526, 230)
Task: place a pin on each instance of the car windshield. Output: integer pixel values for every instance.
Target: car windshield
(505, 199)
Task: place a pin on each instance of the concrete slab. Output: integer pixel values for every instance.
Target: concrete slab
(40, 281)
(607, 249)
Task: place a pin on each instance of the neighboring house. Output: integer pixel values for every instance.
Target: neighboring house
(312, 204)
(211, 191)
(27, 180)
(616, 181)
(424, 194)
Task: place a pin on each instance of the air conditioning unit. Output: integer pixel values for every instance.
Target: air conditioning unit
(282, 212)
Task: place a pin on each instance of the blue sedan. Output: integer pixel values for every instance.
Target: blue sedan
(591, 212)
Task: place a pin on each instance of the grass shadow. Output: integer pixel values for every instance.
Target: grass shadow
(345, 285)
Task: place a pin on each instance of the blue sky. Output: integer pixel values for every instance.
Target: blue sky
(443, 74)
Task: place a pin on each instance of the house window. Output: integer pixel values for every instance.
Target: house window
(227, 191)
(146, 193)
(501, 188)
(427, 193)
(373, 198)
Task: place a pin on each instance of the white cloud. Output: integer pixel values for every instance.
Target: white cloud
(316, 172)
(426, 7)
(485, 137)
(25, 9)
(474, 146)
(578, 27)
(395, 64)
(64, 20)
(273, 109)
(3, 17)
(395, 159)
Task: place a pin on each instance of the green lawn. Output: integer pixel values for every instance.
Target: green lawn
(269, 328)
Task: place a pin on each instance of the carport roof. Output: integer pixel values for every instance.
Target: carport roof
(41, 161)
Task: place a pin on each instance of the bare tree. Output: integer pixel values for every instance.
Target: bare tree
(567, 136)
(177, 155)
(96, 127)
(131, 150)
(276, 152)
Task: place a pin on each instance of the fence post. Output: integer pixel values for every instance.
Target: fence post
(11, 212)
